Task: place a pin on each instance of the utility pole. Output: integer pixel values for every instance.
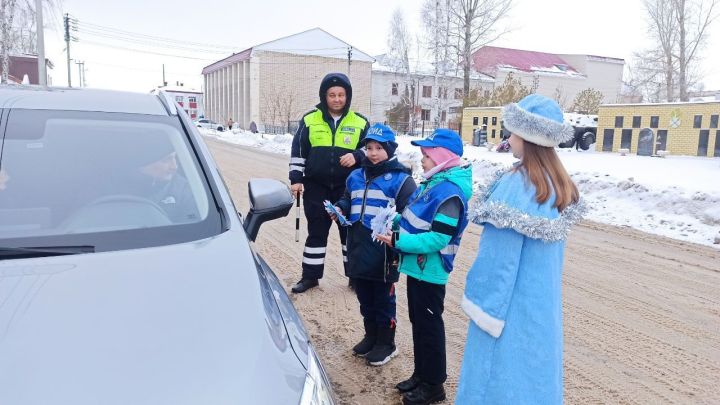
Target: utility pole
(349, 59)
(81, 73)
(42, 72)
(67, 46)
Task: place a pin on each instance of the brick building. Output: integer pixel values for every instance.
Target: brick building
(678, 128)
(475, 117)
(275, 83)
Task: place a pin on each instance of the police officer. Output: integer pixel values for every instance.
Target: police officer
(325, 149)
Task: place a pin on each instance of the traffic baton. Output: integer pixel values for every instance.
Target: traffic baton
(297, 218)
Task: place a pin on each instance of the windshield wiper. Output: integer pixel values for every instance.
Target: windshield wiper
(42, 251)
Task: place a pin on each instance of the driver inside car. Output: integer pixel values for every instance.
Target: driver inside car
(159, 180)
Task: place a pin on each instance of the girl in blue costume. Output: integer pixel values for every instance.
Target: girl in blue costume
(512, 295)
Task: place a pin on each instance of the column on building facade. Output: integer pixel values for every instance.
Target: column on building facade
(228, 94)
(216, 95)
(233, 90)
(246, 91)
(238, 102)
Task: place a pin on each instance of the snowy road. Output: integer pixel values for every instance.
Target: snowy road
(642, 312)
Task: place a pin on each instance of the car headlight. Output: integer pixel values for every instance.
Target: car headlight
(317, 389)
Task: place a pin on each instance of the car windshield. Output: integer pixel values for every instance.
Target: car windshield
(108, 180)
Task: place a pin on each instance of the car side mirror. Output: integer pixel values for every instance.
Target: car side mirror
(269, 199)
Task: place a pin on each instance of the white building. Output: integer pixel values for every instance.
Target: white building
(191, 100)
(438, 99)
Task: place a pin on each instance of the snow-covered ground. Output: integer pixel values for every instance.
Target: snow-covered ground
(675, 196)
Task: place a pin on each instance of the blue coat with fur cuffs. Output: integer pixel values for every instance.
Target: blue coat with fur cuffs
(513, 353)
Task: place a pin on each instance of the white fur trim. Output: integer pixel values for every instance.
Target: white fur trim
(535, 128)
(492, 326)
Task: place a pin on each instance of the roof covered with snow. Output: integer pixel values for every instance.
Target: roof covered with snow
(489, 59)
(422, 67)
(313, 42)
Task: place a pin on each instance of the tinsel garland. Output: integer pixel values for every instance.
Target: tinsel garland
(503, 216)
(548, 230)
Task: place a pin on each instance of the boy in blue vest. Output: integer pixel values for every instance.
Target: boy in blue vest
(428, 237)
(381, 181)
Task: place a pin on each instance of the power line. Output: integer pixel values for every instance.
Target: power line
(145, 51)
(148, 43)
(114, 31)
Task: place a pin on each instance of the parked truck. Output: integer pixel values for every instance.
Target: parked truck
(585, 130)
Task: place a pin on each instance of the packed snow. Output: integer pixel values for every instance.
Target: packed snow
(674, 196)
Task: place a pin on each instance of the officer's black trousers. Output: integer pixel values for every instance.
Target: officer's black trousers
(318, 226)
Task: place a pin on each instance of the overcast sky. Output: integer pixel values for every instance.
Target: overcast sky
(614, 28)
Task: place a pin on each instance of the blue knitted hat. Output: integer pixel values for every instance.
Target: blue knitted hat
(537, 119)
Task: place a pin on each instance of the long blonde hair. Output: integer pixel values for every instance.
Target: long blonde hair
(541, 163)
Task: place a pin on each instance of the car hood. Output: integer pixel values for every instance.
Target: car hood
(181, 324)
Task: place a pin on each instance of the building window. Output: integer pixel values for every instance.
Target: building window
(493, 133)
(608, 139)
(717, 144)
(654, 121)
(443, 116)
(453, 110)
(485, 120)
(618, 121)
(626, 139)
(179, 99)
(697, 122)
(475, 120)
(661, 141)
(425, 115)
(192, 99)
(703, 142)
(394, 89)
(494, 120)
(458, 94)
(637, 121)
(427, 91)
(714, 121)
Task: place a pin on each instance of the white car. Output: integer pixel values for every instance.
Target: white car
(209, 124)
(126, 272)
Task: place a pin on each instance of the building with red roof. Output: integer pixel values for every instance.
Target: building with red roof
(559, 76)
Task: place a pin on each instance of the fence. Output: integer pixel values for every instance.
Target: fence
(288, 127)
(420, 129)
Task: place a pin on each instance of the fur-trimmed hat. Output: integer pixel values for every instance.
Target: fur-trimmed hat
(537, 119)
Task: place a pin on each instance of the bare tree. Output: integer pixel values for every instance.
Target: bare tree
(512, 90)
(18, 30)
(7, 15)
(587, 101)
(693, 17)
(398, 59)
(560, 97)
(474, 23)
(679, 30)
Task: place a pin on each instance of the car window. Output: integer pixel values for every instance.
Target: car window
(76, 173)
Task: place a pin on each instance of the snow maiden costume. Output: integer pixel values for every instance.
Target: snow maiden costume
(514, 348)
